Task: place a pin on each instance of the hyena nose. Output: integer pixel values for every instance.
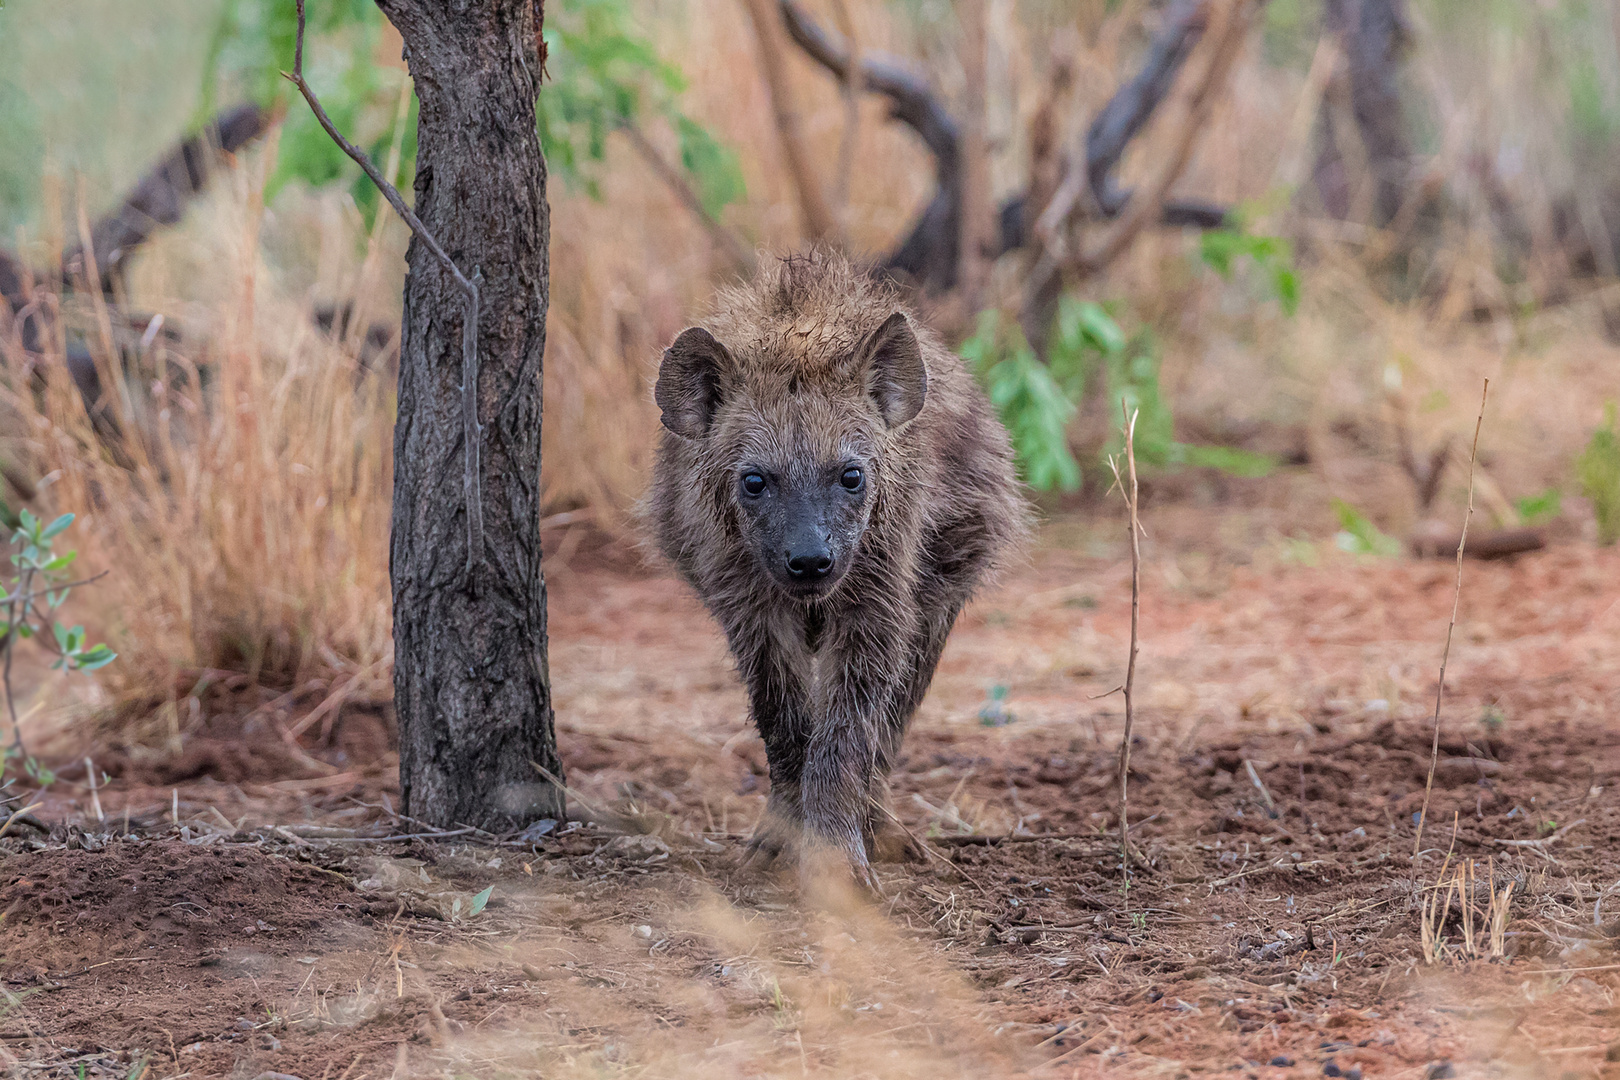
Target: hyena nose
(809, 565)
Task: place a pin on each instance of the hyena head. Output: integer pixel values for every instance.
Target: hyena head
(792, 433)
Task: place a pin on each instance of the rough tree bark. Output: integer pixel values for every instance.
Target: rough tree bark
(472, 688)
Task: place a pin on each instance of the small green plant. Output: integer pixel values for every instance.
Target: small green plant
(993, 713)
(1270, 256)
(1539, 509)
(1492, 719)
(1598, 470)
(1359, 536)
(37, 587)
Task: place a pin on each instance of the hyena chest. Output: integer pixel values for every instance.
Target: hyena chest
(803, 637)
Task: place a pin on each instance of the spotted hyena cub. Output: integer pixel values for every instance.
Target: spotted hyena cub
(834, 485)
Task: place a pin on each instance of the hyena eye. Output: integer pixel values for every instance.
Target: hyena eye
(753, 483)
(852, 479)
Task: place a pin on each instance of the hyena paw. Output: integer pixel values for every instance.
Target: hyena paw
(827, 869)
(771, 838)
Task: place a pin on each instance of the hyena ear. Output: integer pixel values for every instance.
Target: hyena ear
(896, 376)
(688, 389)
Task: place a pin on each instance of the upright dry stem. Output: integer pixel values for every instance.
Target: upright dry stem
(1456, 601)
(1128, 488)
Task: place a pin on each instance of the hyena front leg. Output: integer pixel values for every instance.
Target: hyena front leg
(839, 765)
(917, 671)
(776, 697)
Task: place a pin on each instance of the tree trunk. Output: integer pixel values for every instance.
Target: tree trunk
(1373, 35)
(472, 688)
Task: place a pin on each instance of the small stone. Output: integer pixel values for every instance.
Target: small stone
(1439, 1070)
(1331, 1068)
(642, 847)
(1353, 1073)
(1612, 1053)
(1282, 1062)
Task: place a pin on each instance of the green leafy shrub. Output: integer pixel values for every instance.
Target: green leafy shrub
(1270, 256)
(1539, 509)
(1598, 471)
(1036, 400)
(603, 74)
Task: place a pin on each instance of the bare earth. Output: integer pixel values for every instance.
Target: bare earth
(1274, 928)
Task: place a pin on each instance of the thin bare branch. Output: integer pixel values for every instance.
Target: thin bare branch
(723, 238)
(978, 223)
(1229, 24)
(1456, 602)
(851, 86)
(818, 218)
(471, 430)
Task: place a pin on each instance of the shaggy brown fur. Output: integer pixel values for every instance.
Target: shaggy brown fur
(819, 413)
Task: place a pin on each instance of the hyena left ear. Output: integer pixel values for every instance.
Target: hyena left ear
(688, 389)
(896, 376)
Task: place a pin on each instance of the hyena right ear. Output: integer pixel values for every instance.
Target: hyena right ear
(688, 389)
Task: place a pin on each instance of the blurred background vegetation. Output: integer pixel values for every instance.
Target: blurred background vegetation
(1317, 357)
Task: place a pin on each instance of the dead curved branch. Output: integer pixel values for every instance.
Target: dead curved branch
(930, 253)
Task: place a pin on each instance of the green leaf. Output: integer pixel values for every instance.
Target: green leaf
(56, 527)
(1229, 460)
(1030, 400)
(1536, 509)
(478, 901)
(1359, 536)
(97, 657)
(1272, 257)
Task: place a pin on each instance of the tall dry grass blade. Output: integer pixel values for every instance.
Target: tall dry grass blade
(1456, 601)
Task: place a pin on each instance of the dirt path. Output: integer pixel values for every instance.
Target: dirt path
(1276, 928)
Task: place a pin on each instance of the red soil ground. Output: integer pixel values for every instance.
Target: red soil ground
(1274, 927)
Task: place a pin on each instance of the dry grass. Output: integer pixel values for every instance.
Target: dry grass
(243, 507)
